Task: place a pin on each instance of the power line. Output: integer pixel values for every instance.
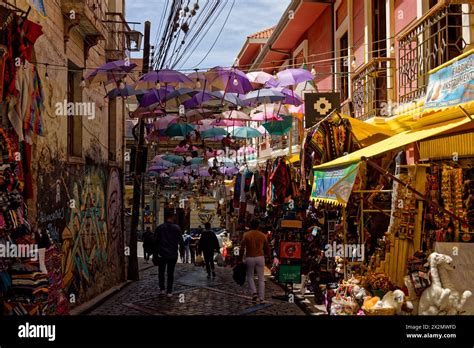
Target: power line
(218, 35)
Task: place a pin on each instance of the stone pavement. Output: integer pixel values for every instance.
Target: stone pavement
(194, 294)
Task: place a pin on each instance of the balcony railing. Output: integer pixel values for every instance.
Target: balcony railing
(373, 88)
(432, 40)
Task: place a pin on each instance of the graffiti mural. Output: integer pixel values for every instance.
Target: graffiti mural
(81, 208)
(115, 247)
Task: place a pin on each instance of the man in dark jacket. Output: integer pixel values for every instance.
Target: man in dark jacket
(168, 238)
(208, 243)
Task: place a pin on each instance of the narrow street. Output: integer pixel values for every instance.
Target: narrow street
(194, 294)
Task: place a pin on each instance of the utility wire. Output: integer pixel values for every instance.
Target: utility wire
(218, 35)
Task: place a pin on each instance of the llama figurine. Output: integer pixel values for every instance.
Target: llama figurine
(435, 297)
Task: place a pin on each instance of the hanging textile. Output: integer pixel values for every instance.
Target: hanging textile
(280, 180)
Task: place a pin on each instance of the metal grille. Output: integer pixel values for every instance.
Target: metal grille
(373, 87)
(429, 42)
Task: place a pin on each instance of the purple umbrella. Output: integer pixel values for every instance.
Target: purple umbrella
(111, 72)
(290, 96)
(228, 80)
(164, 122)
(228, 171)
(166, 76)
(198, 99)
(228, 123)
(291, 77)
(154, 96)
(264, 96)
(204, 172)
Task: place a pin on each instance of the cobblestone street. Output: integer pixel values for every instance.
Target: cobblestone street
(194, 294)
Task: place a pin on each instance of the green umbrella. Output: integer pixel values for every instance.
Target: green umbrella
(246, 133)
(174, 159)
(196, 160)
(213, 132)
(179, 129)
(279, 127)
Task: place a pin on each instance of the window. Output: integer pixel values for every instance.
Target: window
(112, 130)
(74, 122)
(344, 66)
(379, 30)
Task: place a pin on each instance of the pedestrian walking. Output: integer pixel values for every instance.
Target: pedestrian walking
(254, 247)
(187, 241)
(169, 239)
(208, 243)
(147, 244)
(192, 248)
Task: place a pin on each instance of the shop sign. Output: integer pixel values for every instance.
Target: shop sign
(334, 185)
(289, 274)
(318, 106)
(452, 85)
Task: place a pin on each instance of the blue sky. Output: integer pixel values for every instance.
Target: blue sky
(247, 17)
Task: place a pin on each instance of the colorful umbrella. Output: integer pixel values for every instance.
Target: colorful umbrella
(229, 98)
(274, 108)
(198, 114)
(262, 130)
(198, 99)
(154, 96)
(174, 159)
(246, 150)
(213, 132)
(246, 133)
(236, 115)
(158, 168)
(264, 96)
(291, 77)
(221, 161)
(279, 127)
(110, 72)
(180, 173)
(228, 171)
(179, 130)
(196, 160)
(164, 122)
(290, 96)
(127, 91)
(166, 76)
(259, 77)
(228, 123)
(266, 117)
(204, 172)
(229, 80)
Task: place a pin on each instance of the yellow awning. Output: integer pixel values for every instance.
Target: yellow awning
(395, 142)
(294, 158)
(366, 133)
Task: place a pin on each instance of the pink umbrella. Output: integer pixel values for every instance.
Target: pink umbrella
(180, 173)
(247, 150)
(214, 153)
(260, 77)
(181, 149)
(164, 122)
(266, 117)
(228, 123)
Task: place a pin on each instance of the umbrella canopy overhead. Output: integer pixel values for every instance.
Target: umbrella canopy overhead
(266, 117)
(221, 98)
(154, 96)
(164, 122)
(111, 72)
(228, 171)
(279, 127)
(228, 80)
(236, 115)
(228, 123)
(127, 91)
(292, 77)
(198, 99)
(179, 130)
(197, 115)
(274, 108)
(264, 96)
(174, 159)
(213, 132)
(259, 77)
(246, 133)
(221, 161)
(166, 76)
(290, 96)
